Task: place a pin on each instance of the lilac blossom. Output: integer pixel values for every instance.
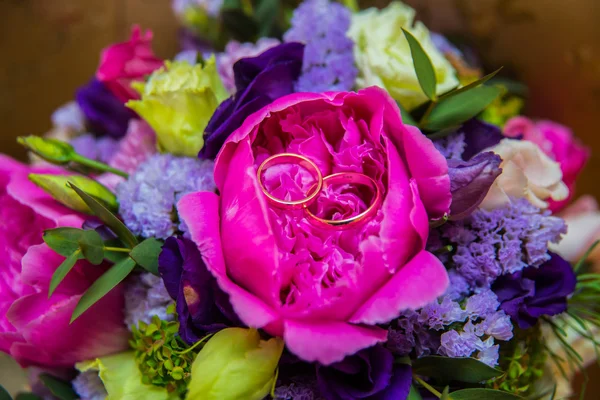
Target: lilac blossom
(146, 296)
(328, 63)
(147, 199)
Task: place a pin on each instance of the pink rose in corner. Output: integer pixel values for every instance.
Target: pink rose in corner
(324, 291)
(559, 143)
(35, 329)
(127, 62)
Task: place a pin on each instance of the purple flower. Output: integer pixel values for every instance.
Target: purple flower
(479, 136)
(106, 114)
(533, 292)
(470, 181)
(201, 306)
(459, 344)
(328, 59)
(100, 149)
(482, 304)
(259, 81)
(369, 374)
(145, 296)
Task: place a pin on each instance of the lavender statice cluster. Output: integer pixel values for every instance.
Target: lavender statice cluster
(453, 327)
(451, 146)
(147, 199)
(146, 296)
(328, 63)
(96, 148)
(488, 244)
(89, 386)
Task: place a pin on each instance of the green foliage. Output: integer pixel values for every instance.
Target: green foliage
(447, 369)
(107, 217)
(63, 269)
(423, 66)
(25, 396)
(480, 394)
(111, 278)
(523, 358)
(4, 395)
(58, 387)
(146, 254)
(163, 359)
(414, 394)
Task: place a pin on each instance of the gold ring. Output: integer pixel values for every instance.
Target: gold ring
(348, 177)
(291, 158)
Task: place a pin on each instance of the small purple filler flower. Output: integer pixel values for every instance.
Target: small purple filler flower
(533, 292)
(328, 58)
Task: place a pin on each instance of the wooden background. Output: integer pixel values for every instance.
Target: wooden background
(48, 48)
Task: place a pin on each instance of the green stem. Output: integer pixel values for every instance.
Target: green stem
(352, 5)
(117, 249)
(423, 121)
(97, 165)
(427, 386)
(199, 342)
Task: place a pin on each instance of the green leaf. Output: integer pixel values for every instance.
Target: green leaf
(480, 394)
(146, 254)
(448, 369)
(471, 85)
(92, 246)
(107, 217)
(457, 109)
(406, 117)
(26, 396)
(266, 14)
(446, 393)
(581, 261)
(64, 241)
(241, 26)
(423, 66)
(59, 388)
(103, 285)
(4, 395)
(62, 271)
(414, 394)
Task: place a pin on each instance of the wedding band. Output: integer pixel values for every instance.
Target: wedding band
(296, 159)
(345, 178)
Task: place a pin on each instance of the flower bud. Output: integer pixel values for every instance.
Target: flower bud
(122, 378)
(177, 102)
(235, 364)
(52, 150)
(56, 186)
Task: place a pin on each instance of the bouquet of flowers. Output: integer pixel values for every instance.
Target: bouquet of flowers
(341, 207)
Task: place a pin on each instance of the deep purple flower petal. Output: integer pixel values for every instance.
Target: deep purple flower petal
(200, 302)
(105, 113)
(259, 80)
(369, 374)
(399, 386)
(479, 136)
(533, 292)
(470, 181)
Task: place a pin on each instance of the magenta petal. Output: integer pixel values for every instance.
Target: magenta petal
(420, 281)
(329, 342)
(250, 251)
(52, 340)
(200, 212)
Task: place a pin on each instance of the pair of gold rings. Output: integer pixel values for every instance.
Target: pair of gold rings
(314, 191)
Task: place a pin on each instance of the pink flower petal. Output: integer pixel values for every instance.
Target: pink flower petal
(200, 212)
(418, 282)
(329, 342)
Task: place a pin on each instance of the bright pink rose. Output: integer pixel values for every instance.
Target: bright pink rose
(35, 329)
(559, 143)
(126, 62)
(324, 291)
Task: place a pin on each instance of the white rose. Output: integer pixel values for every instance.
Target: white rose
(383, 57)
(526, 172)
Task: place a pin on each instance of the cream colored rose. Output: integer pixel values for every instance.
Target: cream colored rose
(526, 172)
(383, 55)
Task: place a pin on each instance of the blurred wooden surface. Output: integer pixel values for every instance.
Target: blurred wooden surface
(48, 48)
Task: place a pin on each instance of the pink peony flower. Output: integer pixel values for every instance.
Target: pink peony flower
(127, 62)
(559, 143)
(324, 291)
(35, 329)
